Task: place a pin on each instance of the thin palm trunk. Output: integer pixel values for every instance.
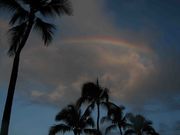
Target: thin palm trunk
(12, 83)
(98, 115)
(10, 95)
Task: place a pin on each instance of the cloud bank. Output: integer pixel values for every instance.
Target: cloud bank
(54, 75)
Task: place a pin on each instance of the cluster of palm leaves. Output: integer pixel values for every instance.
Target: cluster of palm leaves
(73, 119)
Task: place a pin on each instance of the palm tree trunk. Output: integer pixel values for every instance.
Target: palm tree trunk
(10, 95)
(12, 83)
(98, 116)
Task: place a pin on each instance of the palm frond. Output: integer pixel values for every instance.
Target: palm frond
(64, 113)
(46, 30)
(86, 118)
(149, 130)
(104, 105)
(69, 115)
(35, 4)
(92, 132)
(129, 132)
(11, 5)
(130, 117)
(89, 110)
(90, 122)
(16, 34)
(80, 101)
(58, 7)
(111, 127)
(20, 15)
(105, 94)
(59, 128)
(105, 119)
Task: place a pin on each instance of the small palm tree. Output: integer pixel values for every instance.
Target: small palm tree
(139, 125)
(27, 14)
(116, 116)
(72, 120)
(95, 95)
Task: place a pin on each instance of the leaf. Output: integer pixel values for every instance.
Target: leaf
(92, 131)
(105, 94)
(19, 15)
(11, 5)
(129, 132)
(45, 29)
(105, 119)
(59, 128)
(80, 101)
(16, 34)
(56, 7)
(35, 4)
(90, 122)
(111, 127)
(70, 115)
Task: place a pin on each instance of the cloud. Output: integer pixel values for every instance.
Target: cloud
(54, 75)
(88, 19)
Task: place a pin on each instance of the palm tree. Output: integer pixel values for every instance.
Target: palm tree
(27, 14)
(95, 95)
(72, 120)
(139, 125)
(116, 116)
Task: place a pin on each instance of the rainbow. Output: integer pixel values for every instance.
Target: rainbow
(110, 41)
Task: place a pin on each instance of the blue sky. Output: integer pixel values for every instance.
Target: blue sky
(132, 46)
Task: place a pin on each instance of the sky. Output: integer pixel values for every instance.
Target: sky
(132, 46)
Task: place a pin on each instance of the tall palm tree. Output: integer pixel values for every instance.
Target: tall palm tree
(139, 125)
(95, 95)
(28, 14)
(116, 116)
(72, 120)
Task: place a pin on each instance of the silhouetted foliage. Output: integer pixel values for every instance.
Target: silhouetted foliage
(72, 119)
(139, 125)
(116, 116)
(94, 94)
(24, 18)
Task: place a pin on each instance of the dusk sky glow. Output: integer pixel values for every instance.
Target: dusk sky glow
(132, 46)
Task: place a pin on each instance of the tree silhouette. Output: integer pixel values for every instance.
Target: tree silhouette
(25, 16)
(139, 125)
(115, 116)
(72, 120)
(94, 94)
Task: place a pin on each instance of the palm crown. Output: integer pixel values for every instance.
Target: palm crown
(94, 94)
(72, 119)
(30, 13)
(139, 125)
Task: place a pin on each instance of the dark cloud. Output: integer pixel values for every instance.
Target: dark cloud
(54, 75)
